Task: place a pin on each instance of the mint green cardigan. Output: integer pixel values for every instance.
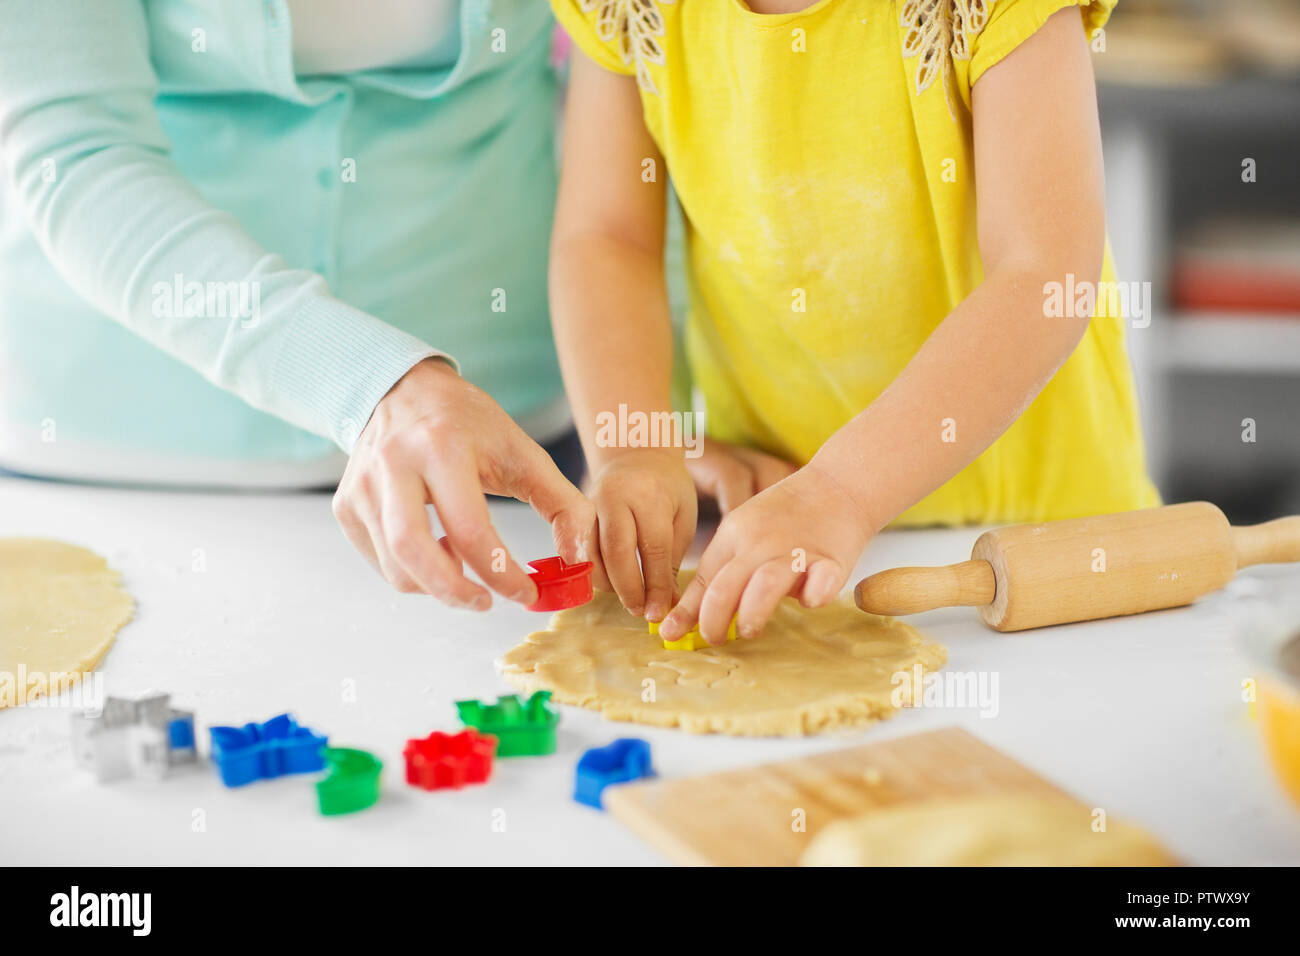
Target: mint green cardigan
(379, 216)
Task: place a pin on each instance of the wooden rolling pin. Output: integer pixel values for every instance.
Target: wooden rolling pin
(1086, 568)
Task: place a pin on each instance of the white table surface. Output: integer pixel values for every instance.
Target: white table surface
(1141, 716)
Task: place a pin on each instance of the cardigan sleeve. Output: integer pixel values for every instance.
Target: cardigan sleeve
(85, 154)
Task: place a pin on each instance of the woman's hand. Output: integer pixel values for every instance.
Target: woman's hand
(645, 505)
(802, 537)
(732, 474)
(436, 439)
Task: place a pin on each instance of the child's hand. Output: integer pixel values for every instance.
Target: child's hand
(808, 521)
(645, 504)
(731, 474)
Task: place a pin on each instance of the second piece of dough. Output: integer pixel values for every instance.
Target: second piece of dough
(60, 606)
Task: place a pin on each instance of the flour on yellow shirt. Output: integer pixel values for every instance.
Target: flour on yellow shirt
(824, 164)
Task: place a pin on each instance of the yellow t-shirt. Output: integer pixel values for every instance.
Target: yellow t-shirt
(824, 164)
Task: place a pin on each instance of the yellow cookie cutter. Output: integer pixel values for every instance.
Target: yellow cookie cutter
(691, 640)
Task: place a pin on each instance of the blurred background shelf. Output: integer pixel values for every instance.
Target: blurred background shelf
(1226, 342)
(1200, 110)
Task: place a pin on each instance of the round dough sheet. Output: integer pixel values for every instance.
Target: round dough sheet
(60, 606)
(808, 672)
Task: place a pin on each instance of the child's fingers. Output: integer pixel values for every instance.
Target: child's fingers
(771, 582)
(685, 615)
(825, 579)
(724, 478)
(617, 529)
(767, 469)
(722, 598)
(654, 529)
(683, 535)
(687, 612)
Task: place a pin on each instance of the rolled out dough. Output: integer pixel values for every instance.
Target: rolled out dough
(809, 671)
(1002, 830)
(60, 606)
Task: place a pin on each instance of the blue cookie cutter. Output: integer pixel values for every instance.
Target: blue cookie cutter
(263, 751)
(625, 760)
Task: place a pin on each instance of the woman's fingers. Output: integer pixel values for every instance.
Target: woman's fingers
(358, 516)
(453, 482)
(539, 483)
(408, 543)
(354, 529)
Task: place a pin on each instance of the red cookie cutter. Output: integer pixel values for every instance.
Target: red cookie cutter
(560, 585)
(440, 761)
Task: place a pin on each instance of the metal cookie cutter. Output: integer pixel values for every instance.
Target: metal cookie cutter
(141, 737)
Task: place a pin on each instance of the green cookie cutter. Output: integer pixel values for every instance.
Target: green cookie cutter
(353, 781)
(522, 728)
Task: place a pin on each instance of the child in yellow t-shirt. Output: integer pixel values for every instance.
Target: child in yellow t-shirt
(898, 273)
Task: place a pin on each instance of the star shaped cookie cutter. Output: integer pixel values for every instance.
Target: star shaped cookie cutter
(691, 640)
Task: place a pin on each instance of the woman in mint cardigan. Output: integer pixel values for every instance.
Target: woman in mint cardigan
(244, 243)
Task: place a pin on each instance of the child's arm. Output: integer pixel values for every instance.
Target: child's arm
(1041, 215)
(613, 330)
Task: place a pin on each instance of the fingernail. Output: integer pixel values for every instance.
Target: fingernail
(481, 603)
(655, 612)
(524, 596)
(746, 631)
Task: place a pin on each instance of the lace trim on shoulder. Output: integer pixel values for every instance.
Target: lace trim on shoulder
(635, 25)
(938, 32)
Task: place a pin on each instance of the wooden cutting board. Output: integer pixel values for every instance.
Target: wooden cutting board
(744, 817)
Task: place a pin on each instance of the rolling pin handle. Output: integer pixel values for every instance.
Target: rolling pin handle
(1273, 542)
(912, 590)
